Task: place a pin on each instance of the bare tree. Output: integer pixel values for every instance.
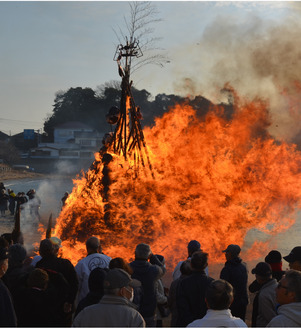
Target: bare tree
(139, 29)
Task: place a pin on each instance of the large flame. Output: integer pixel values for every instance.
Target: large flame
(215, 179)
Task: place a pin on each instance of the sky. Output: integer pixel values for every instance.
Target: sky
(52, 46)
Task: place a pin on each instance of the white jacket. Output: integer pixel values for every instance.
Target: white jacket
(218, 318)
(289, 315)
(83, 269)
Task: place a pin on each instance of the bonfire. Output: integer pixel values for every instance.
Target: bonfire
(188, 177)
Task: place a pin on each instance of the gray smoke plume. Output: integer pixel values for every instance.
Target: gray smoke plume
(257, 58)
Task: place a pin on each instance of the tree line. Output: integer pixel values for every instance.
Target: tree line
(91, 106)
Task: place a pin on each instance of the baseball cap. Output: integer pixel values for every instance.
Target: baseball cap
(263, 269)
(194, 245)
(294, 255)
(234, 249)
(118, 278)
(3, 253)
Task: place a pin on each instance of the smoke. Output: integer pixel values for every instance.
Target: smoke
(257, 58)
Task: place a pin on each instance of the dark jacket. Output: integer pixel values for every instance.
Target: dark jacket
(7, 312)
(147, 274)
(191, 297)
(64, 267)
(235, 272)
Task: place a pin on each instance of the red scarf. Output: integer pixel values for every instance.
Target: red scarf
(276, 267)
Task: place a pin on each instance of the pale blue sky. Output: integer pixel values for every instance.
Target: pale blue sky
(52, 46)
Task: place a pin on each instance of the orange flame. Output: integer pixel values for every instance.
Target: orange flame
(215, 179)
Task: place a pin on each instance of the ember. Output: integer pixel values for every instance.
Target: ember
(214, 180)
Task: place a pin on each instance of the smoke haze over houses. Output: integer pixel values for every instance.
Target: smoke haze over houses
(52, 46)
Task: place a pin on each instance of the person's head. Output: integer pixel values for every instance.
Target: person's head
(57, 244)
(118, 282)
(193, 246)
(199, 261)
(263, 272)
(46, 248)
(3, 261)
(16, 255)
(3, 242)
(119, 262)
(289, 288)
(142, 251)
(8, 237)
(38, 278)
(185, 267)
(294, 259)
(219, 295)
(232, 251)
(93, 245)
(273, 257)
(96, 280)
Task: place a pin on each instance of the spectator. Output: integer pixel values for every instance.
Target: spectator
(36, 306)
(16, 274)
(162, 310)
(274, 258)
(192, 246)
(95, 258)
(34, 204)
(147, 273)
(191, 291)
(294, 259)
(235, 272)
(3, 202)
(11, 201)
(7, 312)
(60, 270)
(115, 308)
(96, 289)
(119, 262)
(264, 304)
(172, 300)
(288, 295)
(219, 297)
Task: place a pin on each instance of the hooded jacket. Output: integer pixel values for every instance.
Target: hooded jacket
(235, 272)
(147, 274)
(289, 315)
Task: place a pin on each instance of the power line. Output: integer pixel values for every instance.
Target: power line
(22, 121)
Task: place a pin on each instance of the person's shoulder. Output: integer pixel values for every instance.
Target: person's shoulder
(195, 324)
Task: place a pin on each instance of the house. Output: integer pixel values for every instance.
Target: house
(72, 140)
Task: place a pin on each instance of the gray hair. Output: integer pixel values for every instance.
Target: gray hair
(142, 251)
(293, 279)
(93, 243)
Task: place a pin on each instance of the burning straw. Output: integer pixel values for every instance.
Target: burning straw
(215, 179)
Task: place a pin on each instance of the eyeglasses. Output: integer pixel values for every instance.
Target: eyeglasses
(281, 286)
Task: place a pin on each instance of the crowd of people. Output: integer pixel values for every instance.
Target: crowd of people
(12, 202)
(49, 291)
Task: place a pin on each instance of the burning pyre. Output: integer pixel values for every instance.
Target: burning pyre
(211, 179)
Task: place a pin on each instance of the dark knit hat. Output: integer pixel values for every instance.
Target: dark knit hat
(17, 253)
(274, 256)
